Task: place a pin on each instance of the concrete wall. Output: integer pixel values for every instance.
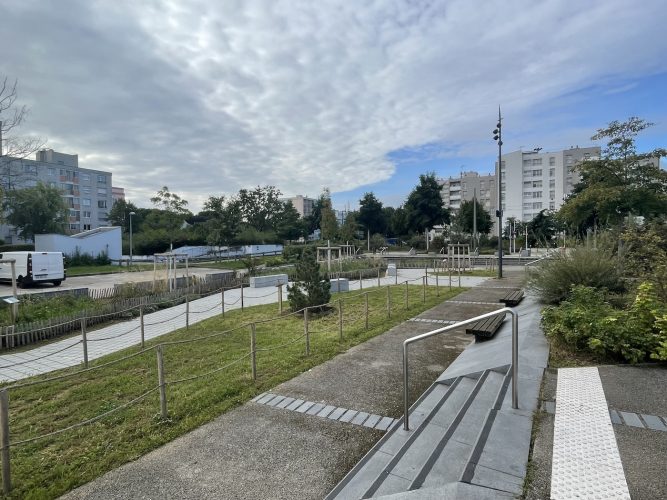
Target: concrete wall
(108, 241)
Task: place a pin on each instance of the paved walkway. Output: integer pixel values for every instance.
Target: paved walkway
(69, 352)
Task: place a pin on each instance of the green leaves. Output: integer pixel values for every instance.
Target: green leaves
(37, 210)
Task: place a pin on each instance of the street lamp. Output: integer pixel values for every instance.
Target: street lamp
(131, 214)
(498, 137)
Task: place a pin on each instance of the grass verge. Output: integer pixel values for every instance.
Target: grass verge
(197, 392)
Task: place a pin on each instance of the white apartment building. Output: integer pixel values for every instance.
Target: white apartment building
(86, 192)
(303, 205)
(456, 190)
(532, 181)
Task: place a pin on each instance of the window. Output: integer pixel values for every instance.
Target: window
(30, 169)
(552, 195)
(537, 161)
(481, 184)
(527, 206)
(552, 205)
(74, 227)
(86, 214)
(85, 177)
(552, 161)
(63, 171)
(502, 175)
(568, 159)
(537, 173)
(587, 155)
(537, 194)
(537, 184)
(86, 227)
(552, 183)
(102, 179)
(101, 203)
(86, 189)
(552, 172)
(52, 184)
(102, 191)
(527, 194)
(537, 205)
(86, 202)
(527, 163)
(52, 171)
(527, 184)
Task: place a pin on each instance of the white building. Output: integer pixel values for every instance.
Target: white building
(303, 204)
(96, 242)
(532, 181)
(86, 192)
(456, 190)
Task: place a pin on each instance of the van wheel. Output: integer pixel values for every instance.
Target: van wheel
(56, 283)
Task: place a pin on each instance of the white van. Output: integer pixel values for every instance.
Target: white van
(34, 267)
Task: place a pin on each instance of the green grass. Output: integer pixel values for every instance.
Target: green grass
(106, 269)
(52, 466)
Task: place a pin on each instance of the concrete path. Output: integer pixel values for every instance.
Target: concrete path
(69, 352)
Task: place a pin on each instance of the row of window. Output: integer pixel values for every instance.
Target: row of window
(70, 175)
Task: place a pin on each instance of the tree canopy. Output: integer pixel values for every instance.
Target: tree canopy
(425, 207)
(371, 215)
(465, 218)
(36, 210)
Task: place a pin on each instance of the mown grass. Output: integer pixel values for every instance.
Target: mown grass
(49, 467)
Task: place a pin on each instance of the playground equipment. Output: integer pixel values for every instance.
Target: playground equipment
(171, 262)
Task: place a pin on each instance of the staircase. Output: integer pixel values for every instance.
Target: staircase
(460, 445)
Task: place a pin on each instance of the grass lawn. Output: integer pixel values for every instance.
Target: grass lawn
(106, 269)
(49, 467)
(483, 273)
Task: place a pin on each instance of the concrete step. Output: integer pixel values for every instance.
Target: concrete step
(445, 429)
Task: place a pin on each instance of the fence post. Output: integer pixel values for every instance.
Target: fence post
(4, 441)
(187, 312)
(84, 339)
(305, 330)
(407, 304)
(366, 309)
(424, 289)
(450, 277)
(378, 277)
(437, 285)
(396, 276)
(340, 319)
(361, 282)
(222, 301)
(241, 294)
(161, 382)
(388, 301)
(280, 298)
(141, 322)
(459, 276)
(253, 351)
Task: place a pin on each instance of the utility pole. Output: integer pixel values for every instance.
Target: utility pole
(498, 136)
(474, 218)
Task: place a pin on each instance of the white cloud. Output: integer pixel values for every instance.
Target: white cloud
(208, 97)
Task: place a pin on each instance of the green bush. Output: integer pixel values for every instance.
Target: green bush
(17, 248)
(311, 286)
(86, 259)
(586, 321)
(553, 278)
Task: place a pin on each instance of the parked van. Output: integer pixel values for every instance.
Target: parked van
(34, 267)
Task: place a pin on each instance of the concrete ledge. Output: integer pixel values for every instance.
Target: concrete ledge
(391, 269)
(270, 280)
(340, 285)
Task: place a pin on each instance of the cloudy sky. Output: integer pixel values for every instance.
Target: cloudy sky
(208, 97)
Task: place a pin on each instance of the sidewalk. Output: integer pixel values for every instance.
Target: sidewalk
(69, 351)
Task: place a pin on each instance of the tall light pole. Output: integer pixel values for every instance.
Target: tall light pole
(131, 214)
(498, 137)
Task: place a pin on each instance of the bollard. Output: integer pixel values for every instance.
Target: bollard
(141, 322)
(222, 301)
(407, 304)
(280, 299)
(253, 351)
(187, 313)
(4, 441)
(340, 319)
(85, 341)
(305, 330)
(388, 301)
(424, 289)
(161, 382)
(366, 309)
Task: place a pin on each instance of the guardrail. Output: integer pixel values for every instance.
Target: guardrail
(515, 355)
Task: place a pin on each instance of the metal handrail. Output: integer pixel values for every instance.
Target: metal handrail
(515, 354)
(546, 257)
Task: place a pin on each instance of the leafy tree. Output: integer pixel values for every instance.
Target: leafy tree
(371, 215)
(289, 225)
(465, 218)
(223, 220)
(328, 224)
(622, 182)
(349, 230)
(543, 228)
(378, 241)
(173, 211)
(398, 223)
(314, 220)
(259, 207)
(312, 286)
(119, 215)
(425, 206)
(36, 210)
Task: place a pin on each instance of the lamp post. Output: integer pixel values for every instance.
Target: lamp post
(498, 137)
(131, 214)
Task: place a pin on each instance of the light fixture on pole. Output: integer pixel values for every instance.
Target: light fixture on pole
(131, 214)
(498, 137)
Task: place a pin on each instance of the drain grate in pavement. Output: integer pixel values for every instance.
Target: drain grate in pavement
(330, 412)
(438, 321)
(619, 417)
(473, 302)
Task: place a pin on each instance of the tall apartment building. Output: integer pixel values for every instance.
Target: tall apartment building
(86, 192)
(532, 181)
(302, 204)
(455, 190)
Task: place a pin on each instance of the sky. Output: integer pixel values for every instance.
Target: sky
(211, 97)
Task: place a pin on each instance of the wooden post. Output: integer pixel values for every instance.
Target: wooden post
(450, 277)
(84, 339)
(280, 299)
(407, 304)
(222, 301)
(388, 301)
(437, 285)
(366, 309)
(161, 382)
(305, 330)
(187, 312)
(253, 351)
(4, 441)
(340, 319)
(361, 282)
(424, 290)
(241, 294)
(378, 277)
(459, 276)
(141, 322)
(396, 276)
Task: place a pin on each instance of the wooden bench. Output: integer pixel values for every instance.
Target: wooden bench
(512, 298)
(485, 328)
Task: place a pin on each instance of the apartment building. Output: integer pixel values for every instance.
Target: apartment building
(456, 190)
(302, 204)
(532, 181)
(117, 194)
(87, 192)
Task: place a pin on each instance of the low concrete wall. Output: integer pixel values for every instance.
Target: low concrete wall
(391, 269)
(270, 280)
(340, 285)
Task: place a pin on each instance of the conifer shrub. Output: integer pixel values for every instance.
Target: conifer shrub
(311, 285)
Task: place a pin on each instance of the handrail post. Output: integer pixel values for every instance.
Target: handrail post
(515, 360)
(406, 425)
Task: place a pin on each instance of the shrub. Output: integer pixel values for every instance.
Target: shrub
(311, 287)
(17, 248)
(553, 279)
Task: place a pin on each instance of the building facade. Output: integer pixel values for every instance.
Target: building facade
(456, 190)
(87, 192)
(117, 194)
(303, 205)
(532, 181)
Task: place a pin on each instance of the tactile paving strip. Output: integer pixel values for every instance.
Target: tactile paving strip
(586, 462)
(330, 412)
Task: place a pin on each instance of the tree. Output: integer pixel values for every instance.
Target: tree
(542, 228)
(424, 206)
(328, 223)
(119, 215)
(350, 228)
(314, 220)
(223, 220)
(259, 207)
(371, 215)
(173, 209)
(622, 182)
(289, 225)
(36, 210)
(465, 218)
(311, 286)
(399, 224)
